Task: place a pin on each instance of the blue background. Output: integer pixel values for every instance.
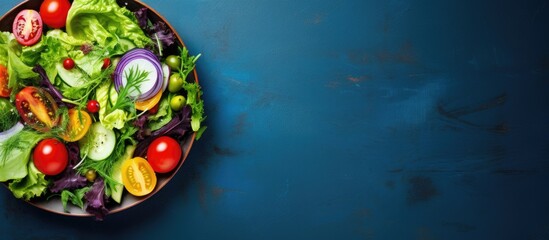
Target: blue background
(397, 119)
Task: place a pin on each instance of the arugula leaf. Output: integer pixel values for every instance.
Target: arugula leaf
(188, 63)
(76, 197)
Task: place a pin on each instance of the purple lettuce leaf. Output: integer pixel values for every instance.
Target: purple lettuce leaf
(140, 123)
(141, 16)
(95, 199)
(70, 178)
(86, 48)
(161, 32)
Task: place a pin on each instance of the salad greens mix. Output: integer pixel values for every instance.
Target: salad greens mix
(94, 104)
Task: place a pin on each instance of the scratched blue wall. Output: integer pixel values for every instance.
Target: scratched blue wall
(350, 120)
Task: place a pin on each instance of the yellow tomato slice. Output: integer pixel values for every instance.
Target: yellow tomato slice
(78, 125)
(138, 176)
(149, 103)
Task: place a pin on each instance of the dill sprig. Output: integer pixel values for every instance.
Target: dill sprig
(134, 79)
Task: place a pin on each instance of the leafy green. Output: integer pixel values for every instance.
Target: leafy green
(90, 63)
(111, 118)
(33, 185)
(197, 104)
(4, 39)
(188, 63)
(18, 70)
(116, 119)
(76, 197)
(104, 22)
(48, 52)
(162, 117)
(15, 154)
(67, 41)
(57, 45)
(54, 47)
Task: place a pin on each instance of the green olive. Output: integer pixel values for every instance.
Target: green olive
(176, 83)
(177, 103)
(91, 175)
(173, 61)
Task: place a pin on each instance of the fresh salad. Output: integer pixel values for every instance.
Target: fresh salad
(95, 101)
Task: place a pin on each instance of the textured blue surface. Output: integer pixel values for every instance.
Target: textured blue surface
(398, 119)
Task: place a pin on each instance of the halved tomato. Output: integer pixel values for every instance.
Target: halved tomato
(37, 108)
(138, 176)
(4, 90)
(27, 27)
(149, 103)
(78, 125)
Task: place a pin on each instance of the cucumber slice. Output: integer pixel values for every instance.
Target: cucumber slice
(98, 143)
(118, 189)
(73, 77)
(126, 44)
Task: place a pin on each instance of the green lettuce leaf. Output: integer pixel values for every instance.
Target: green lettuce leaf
(105, 94)
(18, 71)
(104, 22)
(54, 47)
(4, 40)
(116, 119)
(162, 117)
(33, 185)
(15, 154)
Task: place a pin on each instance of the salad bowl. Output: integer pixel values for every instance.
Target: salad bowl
(54, 204)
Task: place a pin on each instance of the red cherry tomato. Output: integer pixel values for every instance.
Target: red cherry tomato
(54, 12)
(5, 91)
(106, 63)
(27, 27)
(68, 63)
(37, 108)
(50, 156)
(93, 106)
(164, 153)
